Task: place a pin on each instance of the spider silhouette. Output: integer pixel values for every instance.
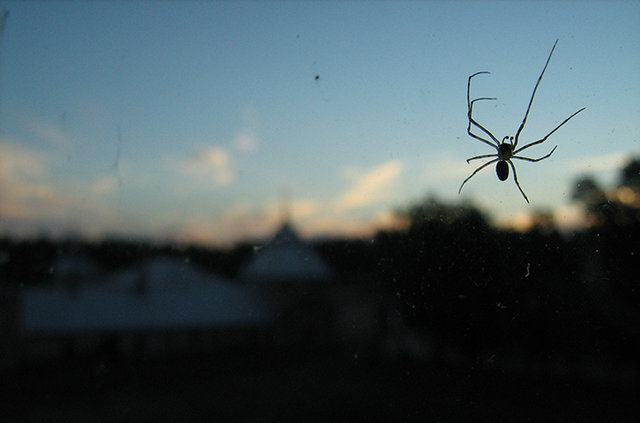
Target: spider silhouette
(507, 148)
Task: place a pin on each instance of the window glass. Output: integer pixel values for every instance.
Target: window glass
(267, 211)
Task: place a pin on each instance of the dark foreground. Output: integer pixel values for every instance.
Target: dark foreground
(304, 387)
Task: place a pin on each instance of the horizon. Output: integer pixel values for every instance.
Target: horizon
(186, 122)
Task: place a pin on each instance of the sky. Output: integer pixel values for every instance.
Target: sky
(209, 122)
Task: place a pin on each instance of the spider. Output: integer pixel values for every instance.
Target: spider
(507, 148)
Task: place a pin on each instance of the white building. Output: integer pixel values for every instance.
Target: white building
(286, 259)
(161, 305)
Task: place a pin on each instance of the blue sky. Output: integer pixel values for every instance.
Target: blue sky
(188, 120)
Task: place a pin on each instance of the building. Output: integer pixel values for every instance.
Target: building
(295, 279)
(160, 306)
(285, 296)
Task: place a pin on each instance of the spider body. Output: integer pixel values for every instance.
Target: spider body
(502, 170)
(507, 149)
(505, 152)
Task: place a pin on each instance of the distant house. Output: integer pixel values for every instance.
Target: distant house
(293, 277)
(315, 308)
(159, 306)
(285, 295)
(75, 269)
(286, 259)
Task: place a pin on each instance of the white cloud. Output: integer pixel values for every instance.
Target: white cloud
(212, 162)
(370, 187)
(53, 134)
(241, 221)
(104, 185)
(34, 198)
(248, 222)
(342, 224)
(446, 167)
(17, 161)
(566, 218)
(570, 217)
(246, 141)
(612, 161)
(24, 174)
(303, 209)
(297, 209)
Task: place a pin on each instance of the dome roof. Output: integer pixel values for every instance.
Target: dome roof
(285, 258)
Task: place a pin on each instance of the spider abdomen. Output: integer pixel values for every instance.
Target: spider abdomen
(502, 170)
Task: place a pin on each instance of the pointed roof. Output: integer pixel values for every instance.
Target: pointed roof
(285, 258)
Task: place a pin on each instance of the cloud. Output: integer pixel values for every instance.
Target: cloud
(34, 198)
(238, 222)
(612, 161)
(341, 224)
(23, 162)
(303, 209)
(52, 134)
(570, 217)
(241, 221)
(567, 218)
(370, 187)
(246, 141)
(249, 222)
(24, 174)
(212, 162)
(446, 167)
(105, 184)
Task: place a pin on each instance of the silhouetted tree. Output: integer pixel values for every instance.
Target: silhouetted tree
(433, 211)
(609, 251)
(587, 191)
(621, 207)
(542, 221)
(630, 175)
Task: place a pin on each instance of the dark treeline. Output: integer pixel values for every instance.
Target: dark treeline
(29, 262)
(486, 291)
(490, 291)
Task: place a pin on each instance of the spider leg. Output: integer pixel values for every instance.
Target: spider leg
(472, 120)
(515, 178)
(533, 95)
(549, 134)
(535, 160)
(484, 156)
(476, 171)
